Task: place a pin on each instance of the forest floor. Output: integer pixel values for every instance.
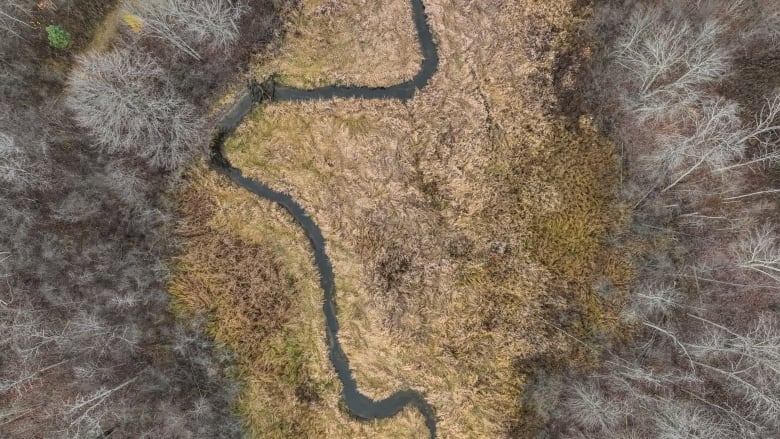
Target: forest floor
(467, 227)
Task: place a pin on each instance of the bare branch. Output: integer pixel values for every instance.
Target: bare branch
(123, 97)
(188, 23)
(759, 250)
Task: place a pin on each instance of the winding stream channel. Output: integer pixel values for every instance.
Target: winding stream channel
(358, 404)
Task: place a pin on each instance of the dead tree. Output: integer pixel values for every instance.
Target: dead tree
(748, 363)
(13, 162)
(765, 132)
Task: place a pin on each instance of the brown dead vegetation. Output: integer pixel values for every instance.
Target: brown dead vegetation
(351, 42)
(466, 228)
(246, 268)
(236, 280)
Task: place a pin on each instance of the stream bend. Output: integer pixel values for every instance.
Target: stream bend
(358, 404)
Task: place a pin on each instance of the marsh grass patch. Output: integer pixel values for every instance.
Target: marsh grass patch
(466, 227)
(351, 42)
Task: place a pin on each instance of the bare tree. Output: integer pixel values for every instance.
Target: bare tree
(674, 419)
(766, 133)
(187, 24)
(749, 363)
(13, 162)
(686, 376)
(125, 100)
(764, 25)
(716, 138)
(11, 13)
(668, 61)
(87, 412)
(759, 250)
(654, 302)
(126, 182)
(82, 271)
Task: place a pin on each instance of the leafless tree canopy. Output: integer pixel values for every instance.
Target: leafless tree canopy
(667, 64)
(190, 24)
(88, 347)
(698, 172)
(759, 250)
(668, 61)
(125, 100)
(12, 14)
(12, 161)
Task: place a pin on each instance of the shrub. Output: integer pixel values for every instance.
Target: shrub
(58, 37)
(592, 410)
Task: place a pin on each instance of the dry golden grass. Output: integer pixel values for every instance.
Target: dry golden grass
(247, 268)
(347, 42)
(106, 31)
(457, 223)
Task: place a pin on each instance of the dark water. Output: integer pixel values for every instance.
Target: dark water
(359, 405)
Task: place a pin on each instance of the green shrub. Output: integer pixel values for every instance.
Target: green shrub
(58, 37)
